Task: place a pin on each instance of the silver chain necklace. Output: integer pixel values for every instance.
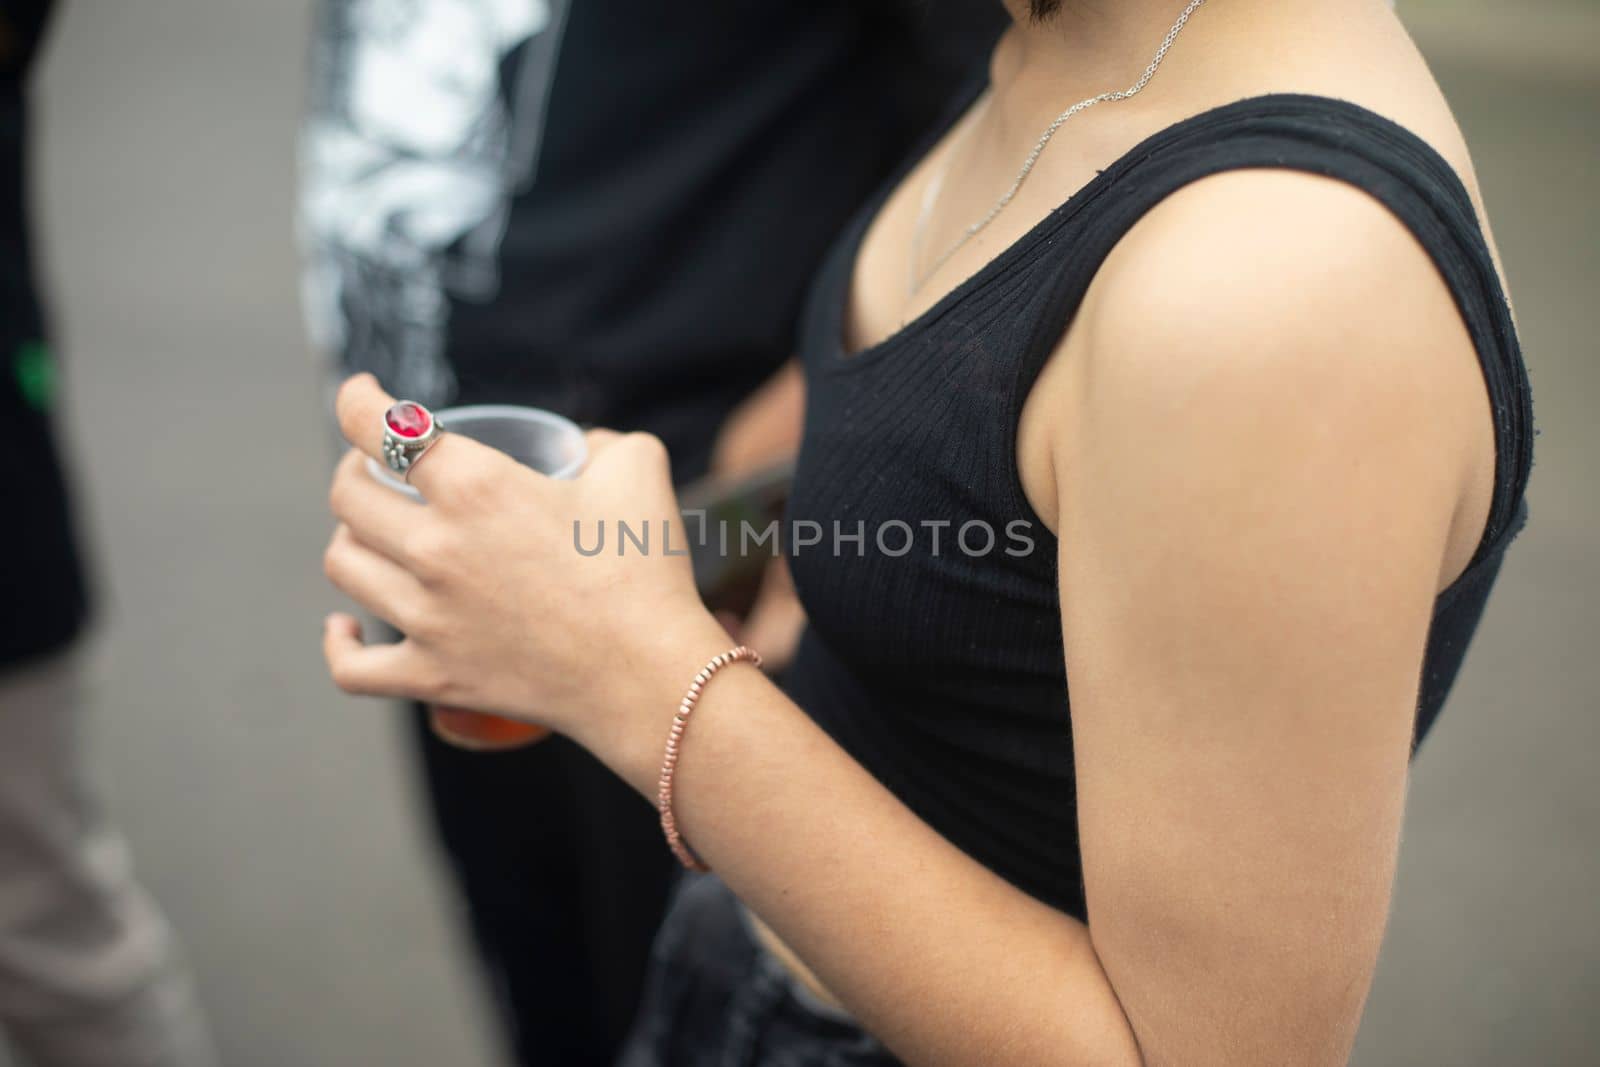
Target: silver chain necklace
(930, 195)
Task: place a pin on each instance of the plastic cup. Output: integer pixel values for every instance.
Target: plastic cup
(548, 443)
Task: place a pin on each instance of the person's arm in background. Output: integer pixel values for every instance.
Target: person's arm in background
(765, 429)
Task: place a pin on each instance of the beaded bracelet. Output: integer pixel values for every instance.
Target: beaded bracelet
(669, 762)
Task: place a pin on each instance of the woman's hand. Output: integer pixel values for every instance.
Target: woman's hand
(500, 609)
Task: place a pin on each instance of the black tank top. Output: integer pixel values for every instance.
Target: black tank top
(943, 673)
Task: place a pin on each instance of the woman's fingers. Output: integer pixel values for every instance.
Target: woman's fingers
(452, 469)
(359, 406)
(372, 670)
(375, 582)
(598, 439)
(379, 517)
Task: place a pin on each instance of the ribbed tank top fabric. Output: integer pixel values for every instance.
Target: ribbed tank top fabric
(943, 673)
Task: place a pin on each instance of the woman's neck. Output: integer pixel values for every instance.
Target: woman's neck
(1092, 46)
(1094, 40)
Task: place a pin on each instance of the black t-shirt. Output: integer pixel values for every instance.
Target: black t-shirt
(608, 209)
(42, 601)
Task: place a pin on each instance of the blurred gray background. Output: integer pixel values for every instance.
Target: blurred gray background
(276, 821)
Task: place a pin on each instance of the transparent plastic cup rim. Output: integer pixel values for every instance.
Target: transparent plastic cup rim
(450, 418)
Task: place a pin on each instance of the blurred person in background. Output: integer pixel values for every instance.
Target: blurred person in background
(611, 211)
(90, 975)
(1202, 297)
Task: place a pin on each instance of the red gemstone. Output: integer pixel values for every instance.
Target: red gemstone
(407, 419)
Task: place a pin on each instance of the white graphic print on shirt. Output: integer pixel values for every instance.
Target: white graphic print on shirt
(410, 156)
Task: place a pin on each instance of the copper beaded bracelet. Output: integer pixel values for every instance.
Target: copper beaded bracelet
(669, 762)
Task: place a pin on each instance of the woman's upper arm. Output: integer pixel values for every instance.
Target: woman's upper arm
(1255, 476)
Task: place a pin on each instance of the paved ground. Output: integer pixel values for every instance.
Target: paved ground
(275, 820)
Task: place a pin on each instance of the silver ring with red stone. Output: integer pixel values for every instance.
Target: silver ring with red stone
(409, 430)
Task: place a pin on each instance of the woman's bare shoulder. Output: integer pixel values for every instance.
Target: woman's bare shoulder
(1289, 301)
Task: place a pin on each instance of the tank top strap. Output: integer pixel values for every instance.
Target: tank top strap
(1334, 139)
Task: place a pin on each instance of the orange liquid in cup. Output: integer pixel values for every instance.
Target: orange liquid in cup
(485, 733)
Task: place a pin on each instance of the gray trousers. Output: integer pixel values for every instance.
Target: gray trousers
(89, 972)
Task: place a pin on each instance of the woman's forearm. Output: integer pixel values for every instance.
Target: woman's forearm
(941, 958)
